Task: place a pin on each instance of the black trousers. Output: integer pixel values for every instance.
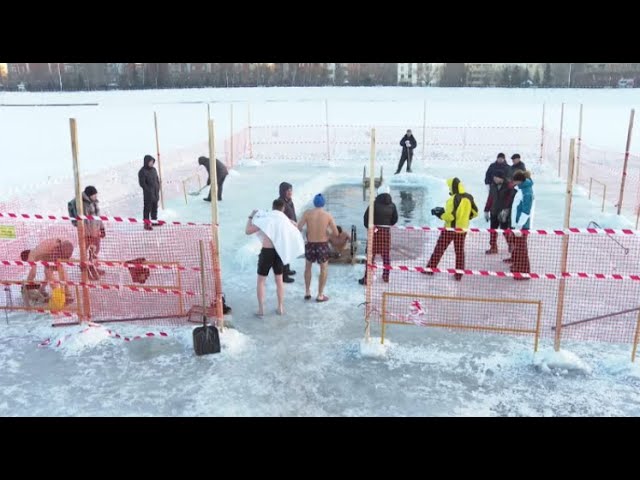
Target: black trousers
(220, 183)
(150, 208)
(405, 157)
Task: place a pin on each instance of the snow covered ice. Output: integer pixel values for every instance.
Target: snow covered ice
(312, 361)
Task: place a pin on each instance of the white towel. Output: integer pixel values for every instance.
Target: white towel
(286, 238)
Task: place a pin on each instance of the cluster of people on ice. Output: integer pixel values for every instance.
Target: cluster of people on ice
(509, 206)
(60, 249)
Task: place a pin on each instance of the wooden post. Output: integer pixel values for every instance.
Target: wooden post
(638, 217)
(231, 140)
(424, 132)
(215, 244)
(249, 122)
(579, 145)
(180, 297)
(369, 277)
(565, 245)
(326, 119)
(184, 190)
(208, 111)
(590, 186)
(542, 136)
(636, 339)
(85, 312)
(538, 322)
(155, 123)
(626, 161)
(560, 143)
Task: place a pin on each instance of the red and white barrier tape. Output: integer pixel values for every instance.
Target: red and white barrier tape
(68, 263)
(566, 231)
(366, 142)
(111, 333)
(487, 273)
(37, 216)
(106, 286)
(395, 127)
(59, 313)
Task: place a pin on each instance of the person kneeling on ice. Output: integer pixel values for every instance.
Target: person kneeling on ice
(458, 211)
(281, 243)
(49, 250)
(318, 221)
(339, 244)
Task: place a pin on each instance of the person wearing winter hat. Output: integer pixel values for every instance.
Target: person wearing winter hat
(94, 230)
(497, 210)
(318, 222)
(522, 212)
(286, 195)
(500, 165)
(385, 214)
(516, 164)
(150, 184)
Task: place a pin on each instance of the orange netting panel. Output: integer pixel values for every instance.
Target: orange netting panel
(418, 277)
(130, 274)
(344, 142)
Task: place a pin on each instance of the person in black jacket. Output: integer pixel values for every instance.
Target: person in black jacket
(385, 213)
(408, 143)
(150, 183)
(499, 166)
(286, 194)
(221, 175)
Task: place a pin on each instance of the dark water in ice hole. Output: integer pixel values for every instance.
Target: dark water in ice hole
(345, 202)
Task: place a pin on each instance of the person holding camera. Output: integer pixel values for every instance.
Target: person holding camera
(457, 212)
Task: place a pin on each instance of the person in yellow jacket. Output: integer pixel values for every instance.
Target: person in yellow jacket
(458, 211)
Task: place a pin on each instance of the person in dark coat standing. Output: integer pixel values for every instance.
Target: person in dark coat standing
(516, 164)
(408, 143)
(221, 175)
(499, 166)
(150, 183)
(286, 195)
(385, 214)
(497, 210)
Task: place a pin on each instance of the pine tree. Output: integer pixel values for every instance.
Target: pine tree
(546, 79)
(505, 77)
(536, 78)
(516, 77)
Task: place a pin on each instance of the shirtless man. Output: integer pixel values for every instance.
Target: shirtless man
(317, 248)
(267, 260)
(49, 250)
